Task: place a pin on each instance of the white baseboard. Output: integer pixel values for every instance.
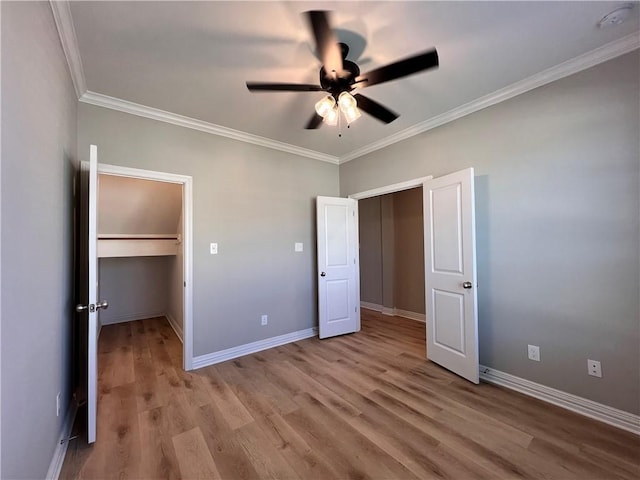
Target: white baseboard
(394, 312)
(604, 413)
(61, 448)
(130, 317)
(371, 306)
(175, 325)
(418, 317)
(235, 352)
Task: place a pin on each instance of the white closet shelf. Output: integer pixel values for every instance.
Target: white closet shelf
(137, 245)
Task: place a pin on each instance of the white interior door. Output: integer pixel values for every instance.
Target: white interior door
(338, 266)
(450, 273)
(88, 291)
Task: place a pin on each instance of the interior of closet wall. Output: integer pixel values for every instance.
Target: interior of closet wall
(392, 252)
(140, 269)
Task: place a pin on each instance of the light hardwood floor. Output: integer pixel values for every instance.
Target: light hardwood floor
(366, 405)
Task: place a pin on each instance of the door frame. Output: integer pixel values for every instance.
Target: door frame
(394, 187)
(187, 242)
(384, 190)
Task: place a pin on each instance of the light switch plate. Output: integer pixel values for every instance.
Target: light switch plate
(298, 247)
(214, 249)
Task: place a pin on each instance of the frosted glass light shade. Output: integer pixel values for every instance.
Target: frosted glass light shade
(331, 117)
(346, 101)
(324, 106)
(349, 107)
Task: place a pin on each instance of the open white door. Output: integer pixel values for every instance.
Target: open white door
(88, 291)
(338, 266)
(450, 273)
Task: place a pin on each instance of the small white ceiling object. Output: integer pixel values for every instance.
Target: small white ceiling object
(617, 16)
(194, 58)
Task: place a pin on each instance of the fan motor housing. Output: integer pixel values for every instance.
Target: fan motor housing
(337, 85)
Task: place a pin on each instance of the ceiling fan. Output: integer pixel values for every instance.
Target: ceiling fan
(339, 77)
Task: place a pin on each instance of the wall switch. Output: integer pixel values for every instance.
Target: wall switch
(213, 248)
(533, 352)
(58, 405)
(297, 247)
(594, 368)
(265, 319)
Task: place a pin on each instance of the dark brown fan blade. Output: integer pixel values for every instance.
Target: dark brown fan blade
(283, 87)
(405, 67)
(314, 122)
(374, 109)
(326, 42)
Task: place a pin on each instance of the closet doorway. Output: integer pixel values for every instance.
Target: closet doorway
(391, 249)
(450, 281)
(144, 249)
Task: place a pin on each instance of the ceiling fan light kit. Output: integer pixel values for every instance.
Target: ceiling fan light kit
(339, 77)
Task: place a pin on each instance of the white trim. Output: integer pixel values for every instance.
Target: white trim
(113, 103)
(371, 306)
(130, 317)
(187, 215)
(397, 312)
(176, 327)
(396, 187)
(67, 33)
(582, 62)
(604, 413)
(253, 347)
(63, 442)
(418, 317)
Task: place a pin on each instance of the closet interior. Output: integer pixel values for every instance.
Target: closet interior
(140, 250)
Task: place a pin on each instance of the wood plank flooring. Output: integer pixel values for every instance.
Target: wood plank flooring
(366, 405)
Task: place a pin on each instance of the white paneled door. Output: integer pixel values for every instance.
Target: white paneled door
(338, 266)
(88, 289)
(450, 273)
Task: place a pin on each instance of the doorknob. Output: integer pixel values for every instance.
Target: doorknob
(91, 307)
(322, 274)
(467, 285)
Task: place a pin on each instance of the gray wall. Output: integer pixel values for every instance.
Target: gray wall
(253, 201)
(392, 250)
(135, 287)
(38, 165)
(557, 182)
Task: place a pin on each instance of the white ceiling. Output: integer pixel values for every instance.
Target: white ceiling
(193, 58)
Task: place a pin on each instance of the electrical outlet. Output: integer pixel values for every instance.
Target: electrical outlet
(533, 352)
(594, 368)
(58, 405)
(213, 248)
(265, 319)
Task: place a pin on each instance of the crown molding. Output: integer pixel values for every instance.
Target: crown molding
(125, 106)
(575, 65)
(67, 33)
